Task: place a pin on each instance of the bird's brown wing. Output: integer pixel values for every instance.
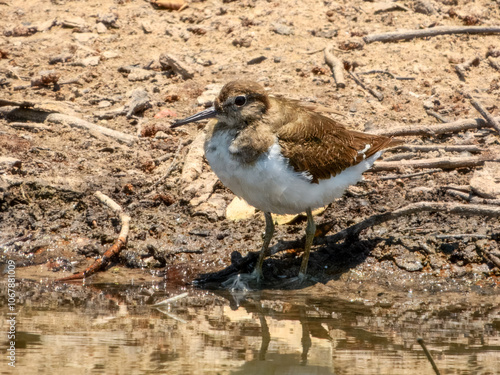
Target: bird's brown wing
(322, 147)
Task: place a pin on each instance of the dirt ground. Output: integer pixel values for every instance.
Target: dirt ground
(133, 67)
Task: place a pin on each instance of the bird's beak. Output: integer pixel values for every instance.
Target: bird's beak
(207, 113)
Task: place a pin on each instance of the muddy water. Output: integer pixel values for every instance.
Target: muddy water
(110, 329)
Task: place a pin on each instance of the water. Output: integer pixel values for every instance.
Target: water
(109, 329)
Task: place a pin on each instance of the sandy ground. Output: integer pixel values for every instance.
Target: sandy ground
(110, 65)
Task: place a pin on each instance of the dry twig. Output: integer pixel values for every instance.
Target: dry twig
(463, 67)
(376, 71)
(436, 115)
(113, 250)
(410, 175)
(446, 148)
(435, 129)
(471, 198)
(26, 114)
(440, 30)
(443, 163)
(336, 66)
(484, 112)
(375, 93)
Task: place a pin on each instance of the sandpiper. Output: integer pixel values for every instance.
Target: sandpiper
(282, 157)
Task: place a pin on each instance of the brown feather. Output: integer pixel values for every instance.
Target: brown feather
(317, 144)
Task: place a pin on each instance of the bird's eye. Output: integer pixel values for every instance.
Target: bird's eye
(240, 100)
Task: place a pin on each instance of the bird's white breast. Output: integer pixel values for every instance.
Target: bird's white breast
(270, 183)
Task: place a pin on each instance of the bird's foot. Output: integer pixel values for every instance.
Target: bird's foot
(299, 280)
(243, 281)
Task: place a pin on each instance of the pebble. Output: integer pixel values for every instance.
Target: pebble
(104, 104)
(238, 210)
(85, 37)
(101, 28)
(139, 74)
(281, 29)
(110, 54)
(256, 60)
(91, 61)
(207, 97)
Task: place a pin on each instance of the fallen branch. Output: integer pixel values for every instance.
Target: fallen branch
(75, 122)
(113, 250)
(31, 127)
(484, 112)
(336, 66)
(490, 257)
(440, 30)
(443, 163)
(11, 103)
(448, 208)
(375, 93)
(25, 114)
(436, 115)
(446, 148)
(401, 156)
(410, 175)
(463, 67)
(376, 71)
(471, 198)
(435, 129)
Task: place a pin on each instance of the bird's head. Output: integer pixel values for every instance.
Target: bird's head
(239, 104)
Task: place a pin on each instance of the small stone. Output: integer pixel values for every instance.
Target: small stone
(281, 29)
(325, 33)
(424, 7)
(104, 104)
(91, 61)
(146, 27)
(174, 63)
(207, 97)
(139, 74)
(428, 104)
(409, 262)
(239, 209)
(85, 37)
(108, 19)
(61, 58)
(354, 105)
(161, 135)
(74, 23)
(110, 55)
(101, 28)
(214, 208)
(256, 60)
(277, 59)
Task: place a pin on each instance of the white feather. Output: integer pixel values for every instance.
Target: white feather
(270, 183)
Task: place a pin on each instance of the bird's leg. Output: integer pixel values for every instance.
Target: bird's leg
(310, 232)
(265, 246)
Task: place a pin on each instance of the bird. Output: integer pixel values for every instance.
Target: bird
(282, 157)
